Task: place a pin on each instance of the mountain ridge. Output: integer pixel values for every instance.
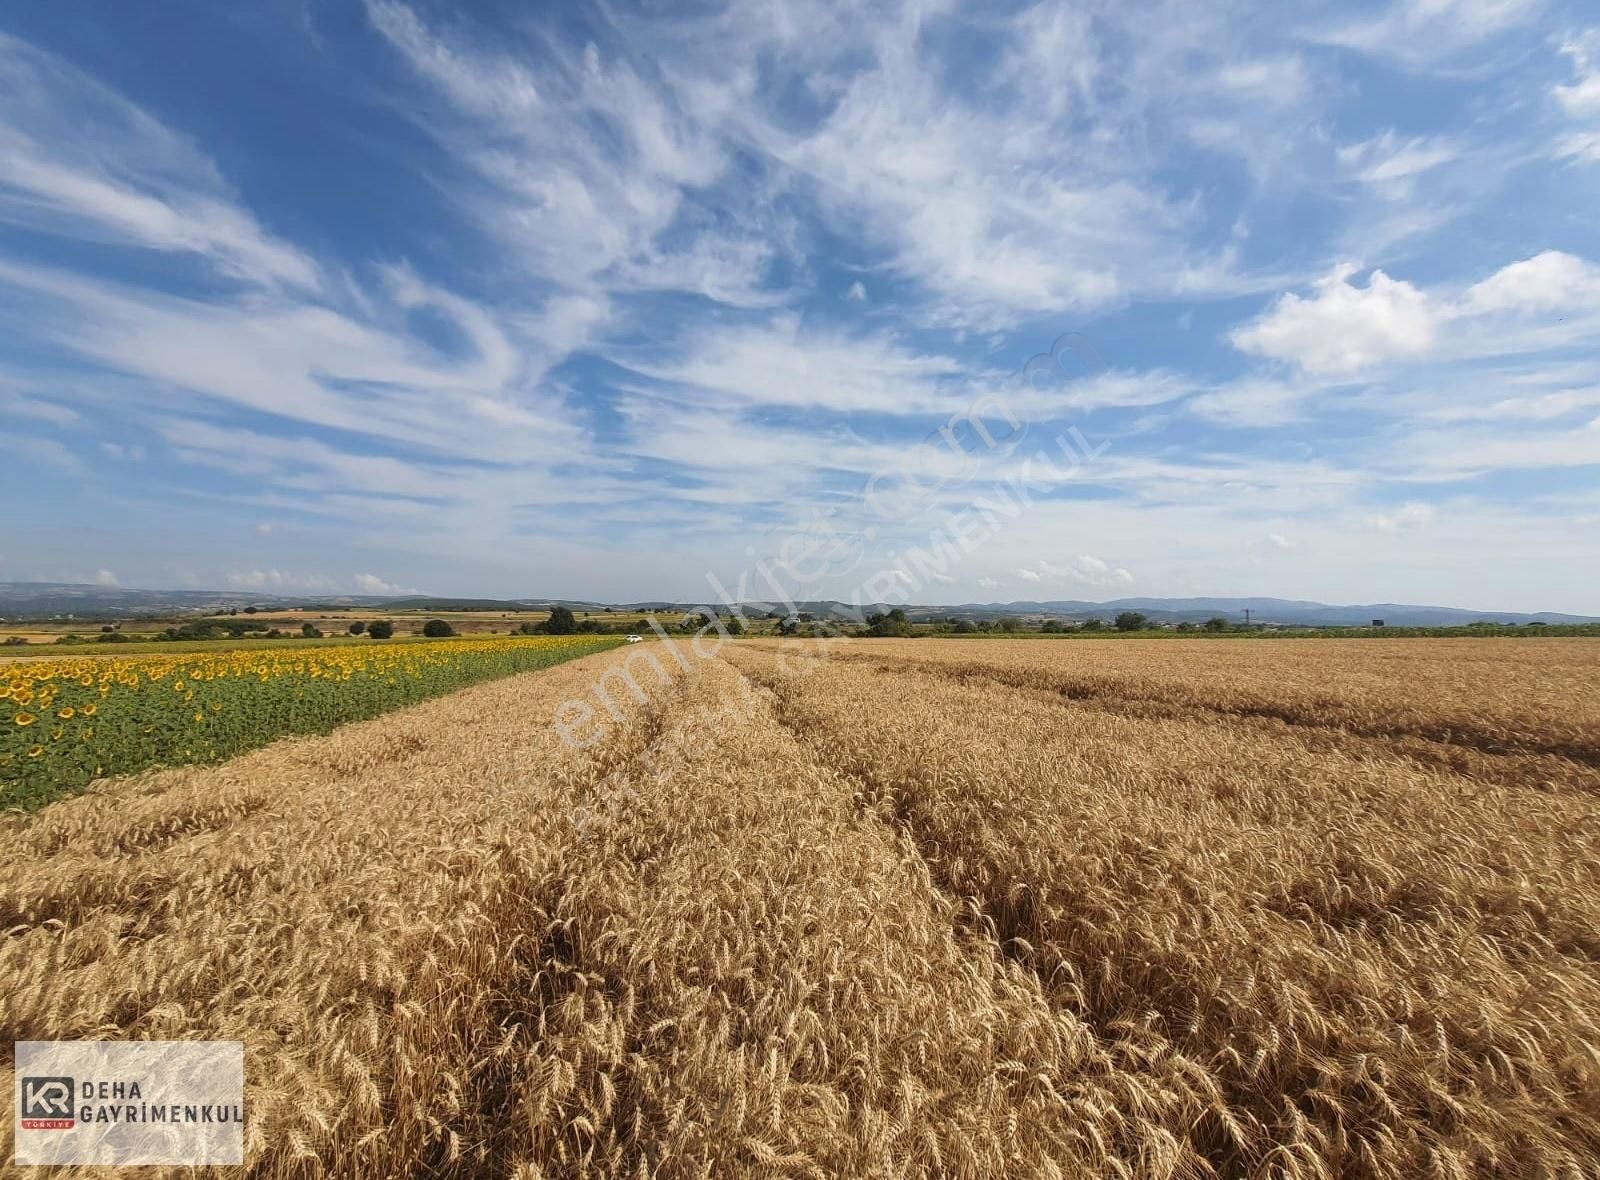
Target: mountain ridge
(54, 599)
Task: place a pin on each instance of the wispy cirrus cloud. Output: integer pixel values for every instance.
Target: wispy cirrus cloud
(82, 161)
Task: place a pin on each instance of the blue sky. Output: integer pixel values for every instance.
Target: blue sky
(509, 300)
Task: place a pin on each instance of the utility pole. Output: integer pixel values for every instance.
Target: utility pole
(1247, 618)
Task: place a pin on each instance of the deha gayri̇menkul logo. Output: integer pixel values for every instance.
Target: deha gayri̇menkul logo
(129, 1103)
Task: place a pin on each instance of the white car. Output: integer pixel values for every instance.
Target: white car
(635, 639)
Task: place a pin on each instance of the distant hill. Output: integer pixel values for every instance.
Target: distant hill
(1180, 610)
(1272, 610)
(36, 600)
(20, 600)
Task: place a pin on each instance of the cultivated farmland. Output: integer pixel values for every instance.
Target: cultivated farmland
(67, 722)
(918, 908)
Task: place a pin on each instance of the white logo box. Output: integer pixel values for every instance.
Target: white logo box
(129, 1102)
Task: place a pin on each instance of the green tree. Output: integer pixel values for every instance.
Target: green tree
(1009, 623)
(1051, 626)
(437, 629)
(380, 629)
(1216, 623)
(894, 624)
(1130, 620)
(561, 622)
(309, 631)
(964, 627)
(1090, 625)
(357, 627)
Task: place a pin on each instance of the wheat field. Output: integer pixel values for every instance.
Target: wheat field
(901, 909)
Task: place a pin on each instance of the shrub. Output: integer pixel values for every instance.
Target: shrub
(561, 622)
(357, 627)
(381, 629)
(1216, 623)
(309, 631)
(437, 629)
(1130, 620)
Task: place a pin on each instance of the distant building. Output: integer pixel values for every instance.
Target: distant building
(1377, 622)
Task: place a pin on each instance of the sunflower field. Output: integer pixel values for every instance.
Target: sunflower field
(65, 723)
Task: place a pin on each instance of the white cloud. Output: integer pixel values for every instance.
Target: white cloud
(105, 578)
(1343, 328)
(1279, 541)
(264, 528)
(1471, 450)
(1583, 145)
(988, 584)
(278, 580)
(14, 405)
(372, 584)
(585, 165)
(1088, 570)
(1546, 282)
(82, 160)
(1422, 33)
(1028, 575)
(1391, 164)
(1529, 408)
(1403, 519)
(1253, 402)
(493, 86)
(130, 452)
(784, 362)
(857, 292)
(1581, 97)
(46, 451)
(291, 359)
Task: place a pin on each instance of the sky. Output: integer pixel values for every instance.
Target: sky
(921, 302)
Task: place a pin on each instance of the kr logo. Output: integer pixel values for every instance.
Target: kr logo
(47, 1104)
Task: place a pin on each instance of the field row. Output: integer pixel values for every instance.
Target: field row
(1324, 951)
